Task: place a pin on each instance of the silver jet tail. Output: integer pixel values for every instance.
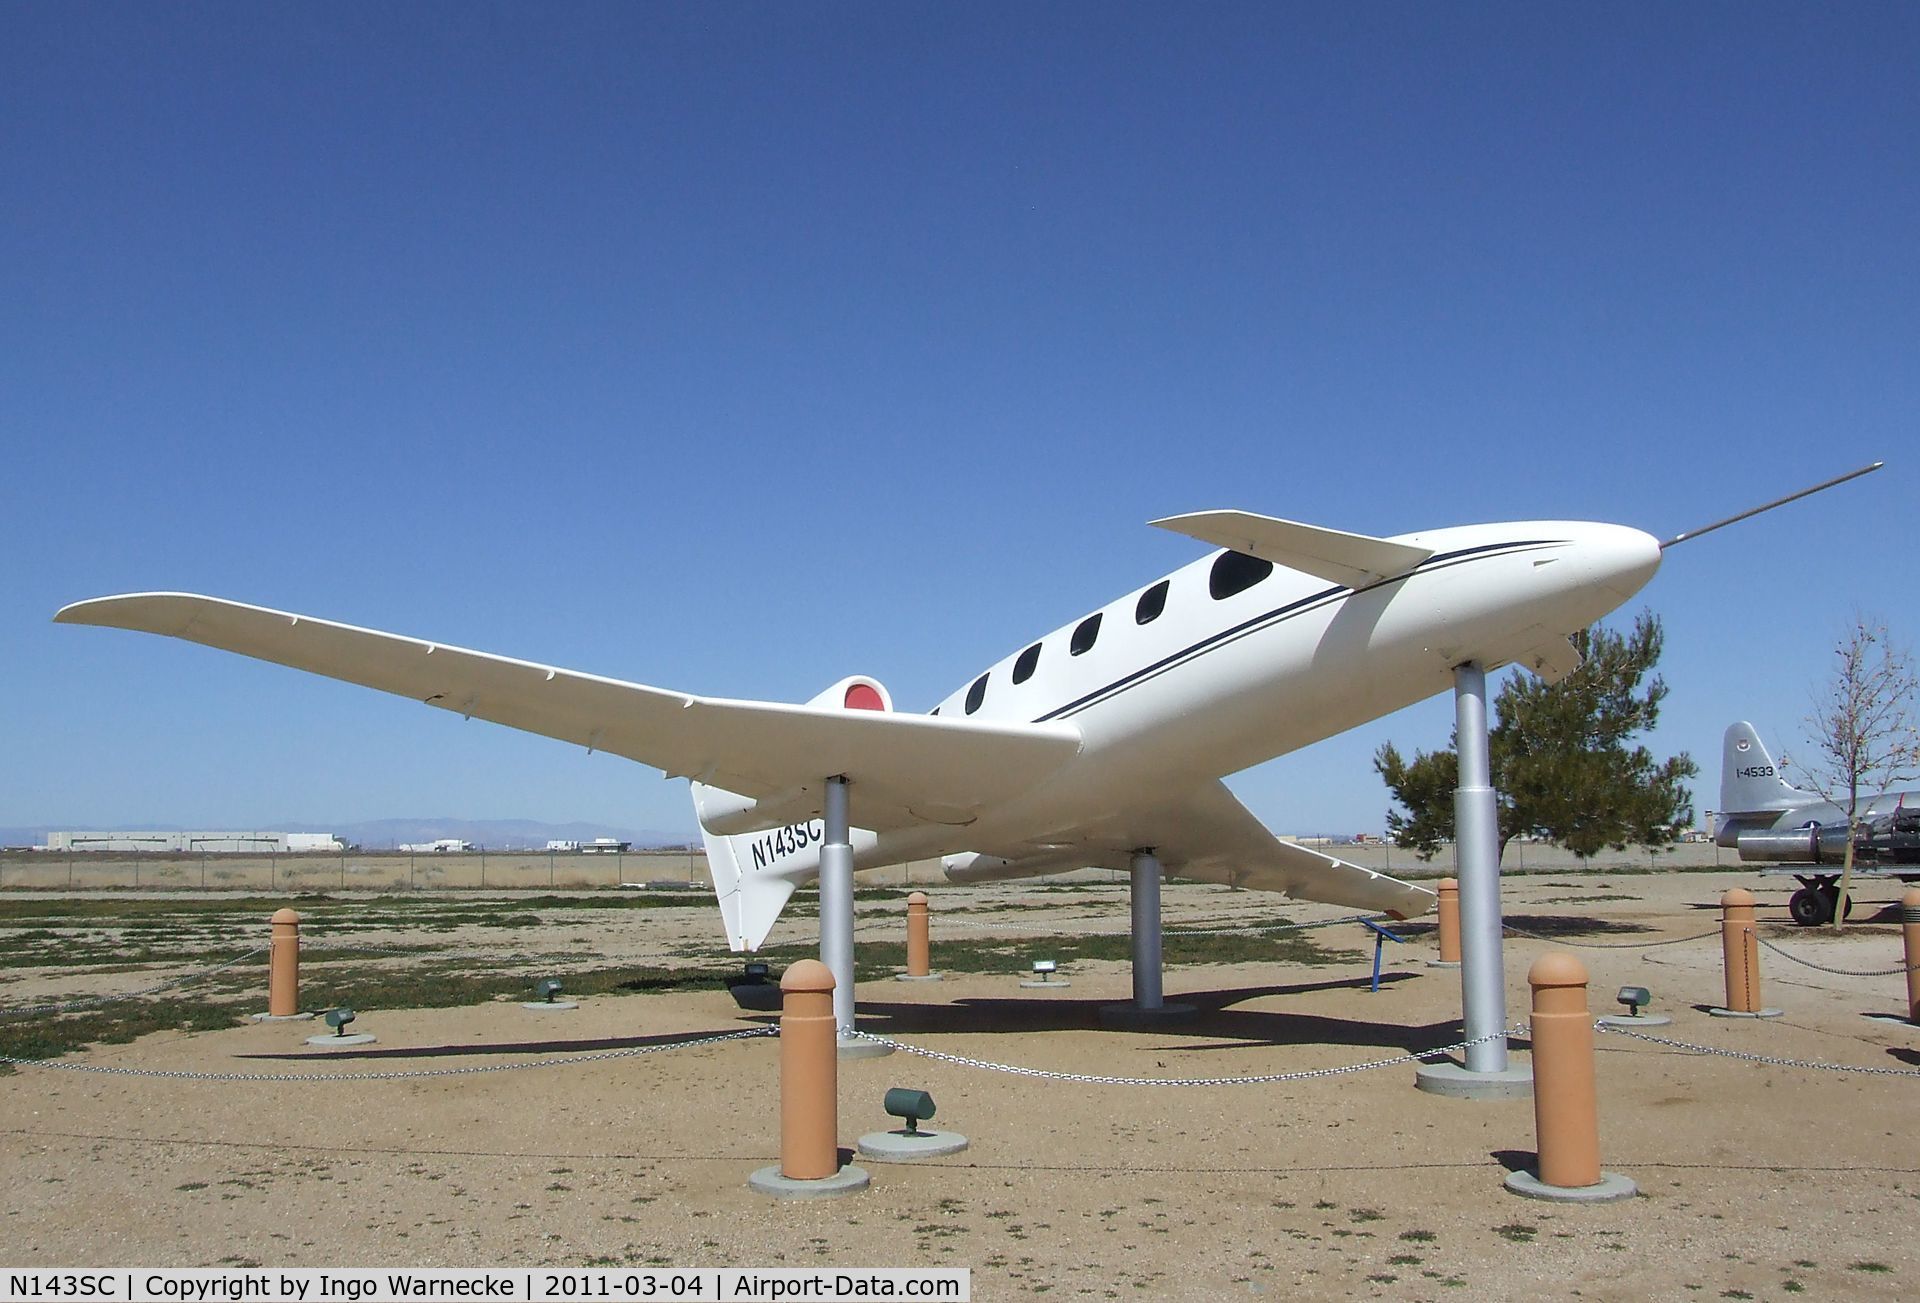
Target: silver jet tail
(1750, 781)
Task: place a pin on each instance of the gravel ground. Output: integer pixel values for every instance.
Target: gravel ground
(1757, 1181)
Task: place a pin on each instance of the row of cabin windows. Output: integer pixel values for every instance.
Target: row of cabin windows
(1233, 572)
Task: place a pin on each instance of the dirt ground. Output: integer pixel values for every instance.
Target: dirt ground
(1757, 1181)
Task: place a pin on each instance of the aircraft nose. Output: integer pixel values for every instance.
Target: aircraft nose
(1624, 558)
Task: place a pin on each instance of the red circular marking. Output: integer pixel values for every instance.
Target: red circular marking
(861, 696)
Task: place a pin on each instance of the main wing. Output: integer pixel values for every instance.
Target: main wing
(1211, 836)
(755, 748)
(1202, 833)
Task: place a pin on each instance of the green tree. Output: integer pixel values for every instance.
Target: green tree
(1564, 764)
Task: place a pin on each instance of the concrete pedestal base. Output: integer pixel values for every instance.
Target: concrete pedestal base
(281, 1017)
(332, 1042)
(1737, 1013)
(1893, 1018)
(916, 977)
(1132, 1015)
(1454, 1081)
(853, 1047)
(1629, 1023)
(1611, 1187)
(907, 1147)
(1443, 963)
(1034, 984)
(848, 1180)
(549, 1006)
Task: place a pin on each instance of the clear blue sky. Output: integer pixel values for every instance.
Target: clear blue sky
(738, 347)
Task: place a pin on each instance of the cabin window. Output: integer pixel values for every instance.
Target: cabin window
(1235, 572)
(1151, 603)
(934, 711)
(976, 694)
(1084, 633)
(1024, 667)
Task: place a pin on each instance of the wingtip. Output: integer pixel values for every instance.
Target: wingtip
(105, 611)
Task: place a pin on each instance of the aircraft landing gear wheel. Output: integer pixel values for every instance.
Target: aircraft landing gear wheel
(1811, 907)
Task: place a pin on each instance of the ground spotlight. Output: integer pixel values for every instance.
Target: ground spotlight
(338, 1019)
(911, 1106)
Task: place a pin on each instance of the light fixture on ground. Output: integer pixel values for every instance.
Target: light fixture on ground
(338, 1018)
(1045, 974)
(912, 1107)
(547, 988)
(1635, 998)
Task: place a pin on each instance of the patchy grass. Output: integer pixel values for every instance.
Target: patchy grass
(151, 940)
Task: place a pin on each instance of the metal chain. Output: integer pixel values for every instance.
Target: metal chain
(1844, 972)
(87, 1002)
(1091, 1079)
(472, 1070)
(1754, 1058)
(1607, 945)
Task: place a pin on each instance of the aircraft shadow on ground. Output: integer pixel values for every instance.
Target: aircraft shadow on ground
(1217, 1020)
(1572, 925)
(596, 1044)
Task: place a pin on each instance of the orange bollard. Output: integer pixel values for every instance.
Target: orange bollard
(283, 966)
(917, 935)
(1740, 946)
(1910, 934)
(1566, 1115)
(1566, 1118)
(1449, 910)
(809, 1074)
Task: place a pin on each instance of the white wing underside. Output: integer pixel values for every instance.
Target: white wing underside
(907, 768)
(1206, 833)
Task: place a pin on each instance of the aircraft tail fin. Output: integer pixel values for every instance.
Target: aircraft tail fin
(751, 888)
(1750, 780)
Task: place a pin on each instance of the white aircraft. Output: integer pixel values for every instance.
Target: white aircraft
(1102, 743)
(1110, 734)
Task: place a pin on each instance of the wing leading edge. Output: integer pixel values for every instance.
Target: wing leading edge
(1354, 560)
(756, 748)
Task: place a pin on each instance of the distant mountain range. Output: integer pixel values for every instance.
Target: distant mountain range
(380, 834)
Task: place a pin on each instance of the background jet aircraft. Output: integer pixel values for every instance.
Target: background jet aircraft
(1769, 820)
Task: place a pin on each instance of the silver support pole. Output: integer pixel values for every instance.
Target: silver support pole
(1476, 844)
(836, 902)
(1145, 899)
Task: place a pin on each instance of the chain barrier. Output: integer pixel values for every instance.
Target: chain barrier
(87, 1002)
(1843, 972)
(1311, 1074)
(1606, 945)
(180, 1074)
(1748, 1057)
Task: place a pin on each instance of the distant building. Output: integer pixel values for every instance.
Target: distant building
(197, 843)
(598, 846)
(445, 846)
